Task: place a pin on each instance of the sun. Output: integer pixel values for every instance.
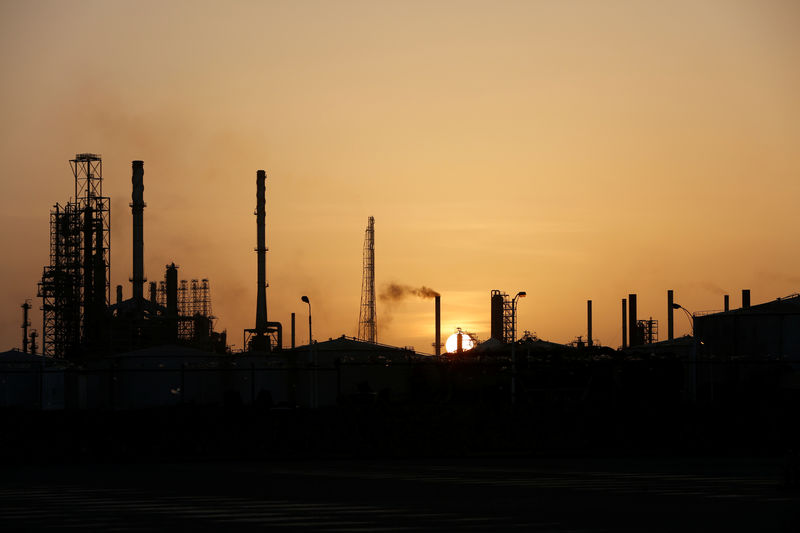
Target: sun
(451, 344)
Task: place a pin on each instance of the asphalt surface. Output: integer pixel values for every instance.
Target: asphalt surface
(537, 494)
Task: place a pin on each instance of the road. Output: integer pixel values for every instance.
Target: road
(539, 494)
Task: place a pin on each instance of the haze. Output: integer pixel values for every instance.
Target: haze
(574, 150)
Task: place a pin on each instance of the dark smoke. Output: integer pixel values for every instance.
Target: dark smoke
(395, 292)
(711, 287)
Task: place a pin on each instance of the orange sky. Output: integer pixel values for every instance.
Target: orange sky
(574, 150)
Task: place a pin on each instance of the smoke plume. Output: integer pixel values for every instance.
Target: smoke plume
(394, 292)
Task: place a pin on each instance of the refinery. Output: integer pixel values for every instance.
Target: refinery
(101, 352)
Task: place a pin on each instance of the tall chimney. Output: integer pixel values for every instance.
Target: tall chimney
(25, 323)
(137, 209)
(633, 329)
(437, 324)
(727, 303)
(624, 323)
(261, 250)
(745, 298)
(589, 322)
(172, 290)
(292, 330)
(119, 294)
(670, 321)
(153, 298)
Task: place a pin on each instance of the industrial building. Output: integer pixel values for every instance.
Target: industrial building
(31, 381)
(79, 321)
(768, 331)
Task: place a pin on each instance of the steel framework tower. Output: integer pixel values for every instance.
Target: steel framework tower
(75, 286)
(367, 319)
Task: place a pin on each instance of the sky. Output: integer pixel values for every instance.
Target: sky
(574, 150)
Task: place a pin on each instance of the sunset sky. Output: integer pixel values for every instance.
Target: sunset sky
(572, 149)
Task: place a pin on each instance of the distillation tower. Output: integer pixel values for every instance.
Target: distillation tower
(75, 286)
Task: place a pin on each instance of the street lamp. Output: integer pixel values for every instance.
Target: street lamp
(689, 315)
(693, 374)
(313, 388)
(520, 294)
(306, 300)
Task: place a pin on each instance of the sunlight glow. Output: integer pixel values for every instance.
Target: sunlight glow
(451, 344)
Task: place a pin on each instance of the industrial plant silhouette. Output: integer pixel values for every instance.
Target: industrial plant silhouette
(152, 372)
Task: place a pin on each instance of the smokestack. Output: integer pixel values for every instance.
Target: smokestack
(633, 329)
(670, 322)
(25, 323)
(589, 321)
(261, 250)
(460, 342)
(119, 294)
(172, 290)
(727, 303)
(438, 324)
(292, 330)
(624, 323)
(745, 298)
(137, 209)
(153, 299)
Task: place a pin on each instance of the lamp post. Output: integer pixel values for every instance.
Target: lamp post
(313, 388)
(690, 316)
(306, 300)
(519, 295)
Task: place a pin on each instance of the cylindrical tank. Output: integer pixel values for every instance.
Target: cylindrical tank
(497, 315)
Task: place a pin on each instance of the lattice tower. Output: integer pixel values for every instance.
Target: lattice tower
(185, 322)
(205, 298)
(162, 293)
(508, 319)
(194, 307)
(75, 286)
(367, 320)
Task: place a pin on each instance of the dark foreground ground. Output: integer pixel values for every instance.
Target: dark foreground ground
(459, 494)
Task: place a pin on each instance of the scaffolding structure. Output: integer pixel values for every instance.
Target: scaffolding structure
(185, 324)
(194, 307)
(161, 294)
(75, 287)
(508, 319)
(367, 319)
(648, 329)
(204, 304)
